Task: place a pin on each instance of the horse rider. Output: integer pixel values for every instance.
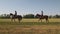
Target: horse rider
(41, 13)
(15, 13)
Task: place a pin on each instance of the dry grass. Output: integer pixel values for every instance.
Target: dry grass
(29, 29)
(20, 29)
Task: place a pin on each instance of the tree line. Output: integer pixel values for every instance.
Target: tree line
(3, 16)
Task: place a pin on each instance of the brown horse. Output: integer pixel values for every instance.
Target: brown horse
(42, 17)
(19, 17)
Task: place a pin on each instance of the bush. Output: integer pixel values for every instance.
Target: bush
(28, 16)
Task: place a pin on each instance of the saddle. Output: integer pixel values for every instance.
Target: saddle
(15, 16)
(42, 16)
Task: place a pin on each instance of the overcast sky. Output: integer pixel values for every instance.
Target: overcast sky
(49, 7)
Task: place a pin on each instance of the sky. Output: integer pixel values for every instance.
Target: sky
(23, 7)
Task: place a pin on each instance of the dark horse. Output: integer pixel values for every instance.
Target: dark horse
(19, 17)
(42, 17)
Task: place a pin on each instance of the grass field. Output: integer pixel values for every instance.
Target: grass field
(54, 21)
(30, 26)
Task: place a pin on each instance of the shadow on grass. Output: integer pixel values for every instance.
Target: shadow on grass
(29, 23)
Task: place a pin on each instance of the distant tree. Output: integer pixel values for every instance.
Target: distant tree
(50, 16)
(7, 16)
(28, 16)
(4, 16)
(36, 17)
(57, 16)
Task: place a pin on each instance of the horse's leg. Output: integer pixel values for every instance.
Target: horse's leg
(19, 20)
(47, 20)
(41, 20)
(14, 19)
(11, 20)
(38, 20)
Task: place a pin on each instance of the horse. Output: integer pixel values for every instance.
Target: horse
(12, 16)
(42, 17)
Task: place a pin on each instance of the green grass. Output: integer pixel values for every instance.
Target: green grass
(29, 23)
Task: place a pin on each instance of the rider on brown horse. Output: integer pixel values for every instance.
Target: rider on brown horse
(42, 16)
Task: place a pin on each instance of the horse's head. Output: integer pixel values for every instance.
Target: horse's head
(37, 15)
(11, 14)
